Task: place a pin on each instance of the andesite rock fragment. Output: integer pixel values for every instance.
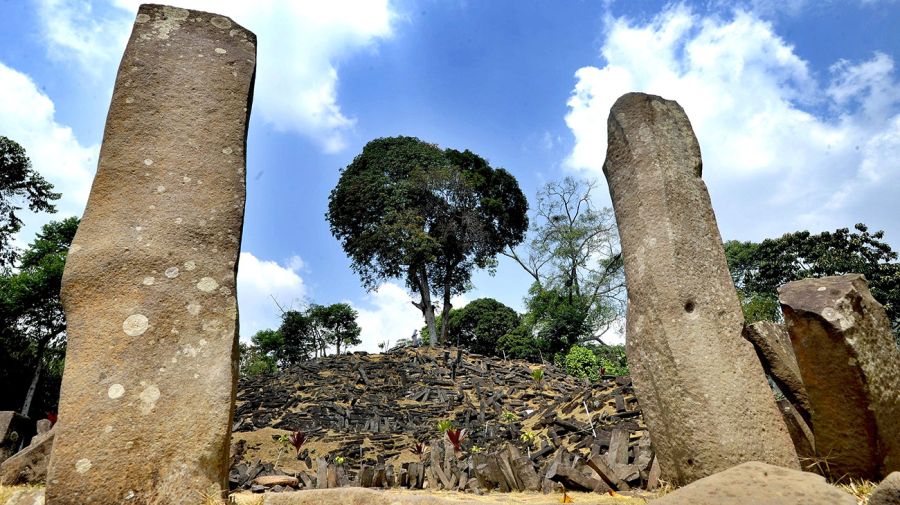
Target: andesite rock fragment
(702, 390)
(850, 366)
(149, 287)
(773, 346)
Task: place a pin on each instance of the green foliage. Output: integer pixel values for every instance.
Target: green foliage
(18, 181)
(444, 424)
(580, 362)
(339, 460)
(759, 269)
(573, 257)
(254, 362)
(509, 417)
(537, 374)
(407, 209)
(612, 358)
(479, 325)
(521, 344)
(303, 335)
(32, 322)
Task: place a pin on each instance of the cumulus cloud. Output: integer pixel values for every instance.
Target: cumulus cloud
(781, 151)
(260, 283)
(387, 315)
(300, 46)
(27, 116)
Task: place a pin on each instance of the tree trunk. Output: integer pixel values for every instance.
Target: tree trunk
(32, 388)
(445, 315)
(421, 280)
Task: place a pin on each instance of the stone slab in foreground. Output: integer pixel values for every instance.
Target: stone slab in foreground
(149, 287)
(758, 483)
(851, 369)
(701, 387)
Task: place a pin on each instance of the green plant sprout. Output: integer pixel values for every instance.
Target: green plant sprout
(509, 417)
(476, 449)
(339, 460)
(444, 425)
(538, 375)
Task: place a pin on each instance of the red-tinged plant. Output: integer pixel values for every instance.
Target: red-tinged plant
(52, 417)
(297, 440)
(456, 438)
(418, 450)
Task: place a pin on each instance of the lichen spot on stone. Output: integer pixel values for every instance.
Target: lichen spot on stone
(148, 281)
(822, 288)
(142, 18)
(220, 22)
(190, 265)
(178, 220)
(129, 100)
(219, 50)
(135, 324)
(82, 465)
(185, 179)
(148, 397)
(172, 272)
(193, 308)
(227, 150)
(108, 429)
(160, 189)
(74, 248)
(148, 162)
(207, 285)
(116, 391)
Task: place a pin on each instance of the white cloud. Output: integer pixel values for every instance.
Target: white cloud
(780, 151)
(27, 116)
(388, 315)
(300, 45)
(260, 284)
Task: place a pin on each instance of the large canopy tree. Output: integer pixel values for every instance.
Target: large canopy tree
(20, 186)
(407, 209)
(758, 269)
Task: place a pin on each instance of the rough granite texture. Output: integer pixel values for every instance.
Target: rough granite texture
(149, 287)
(851, 368)
(888, 492)
(758, 483)
(773, 346)
(702, 389)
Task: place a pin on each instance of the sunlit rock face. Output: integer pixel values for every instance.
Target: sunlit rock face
(149, 287)
(701, 387)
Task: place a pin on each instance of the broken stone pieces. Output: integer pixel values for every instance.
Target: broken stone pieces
(701, 387)
(851, 369)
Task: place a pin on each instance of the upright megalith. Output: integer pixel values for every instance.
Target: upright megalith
(851, 368)
(702, 390)
(149, 287)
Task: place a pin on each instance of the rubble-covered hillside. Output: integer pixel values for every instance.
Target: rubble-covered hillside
(367, 412)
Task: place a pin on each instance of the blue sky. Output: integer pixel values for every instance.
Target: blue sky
(796, 105)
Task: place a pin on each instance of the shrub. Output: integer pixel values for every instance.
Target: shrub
(580, 362)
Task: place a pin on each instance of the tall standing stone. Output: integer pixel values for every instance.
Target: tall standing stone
(702, 390)
(149, 287)
(851, 368)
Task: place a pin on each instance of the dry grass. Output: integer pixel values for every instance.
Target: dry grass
(7, 492)
(860, 489)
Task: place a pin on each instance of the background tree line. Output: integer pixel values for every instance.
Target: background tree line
(405, 209)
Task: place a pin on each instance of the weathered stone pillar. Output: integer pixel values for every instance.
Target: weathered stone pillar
(851, 368)
(149, 287)
(702, 390)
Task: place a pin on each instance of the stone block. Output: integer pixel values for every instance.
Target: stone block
(850, 366)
